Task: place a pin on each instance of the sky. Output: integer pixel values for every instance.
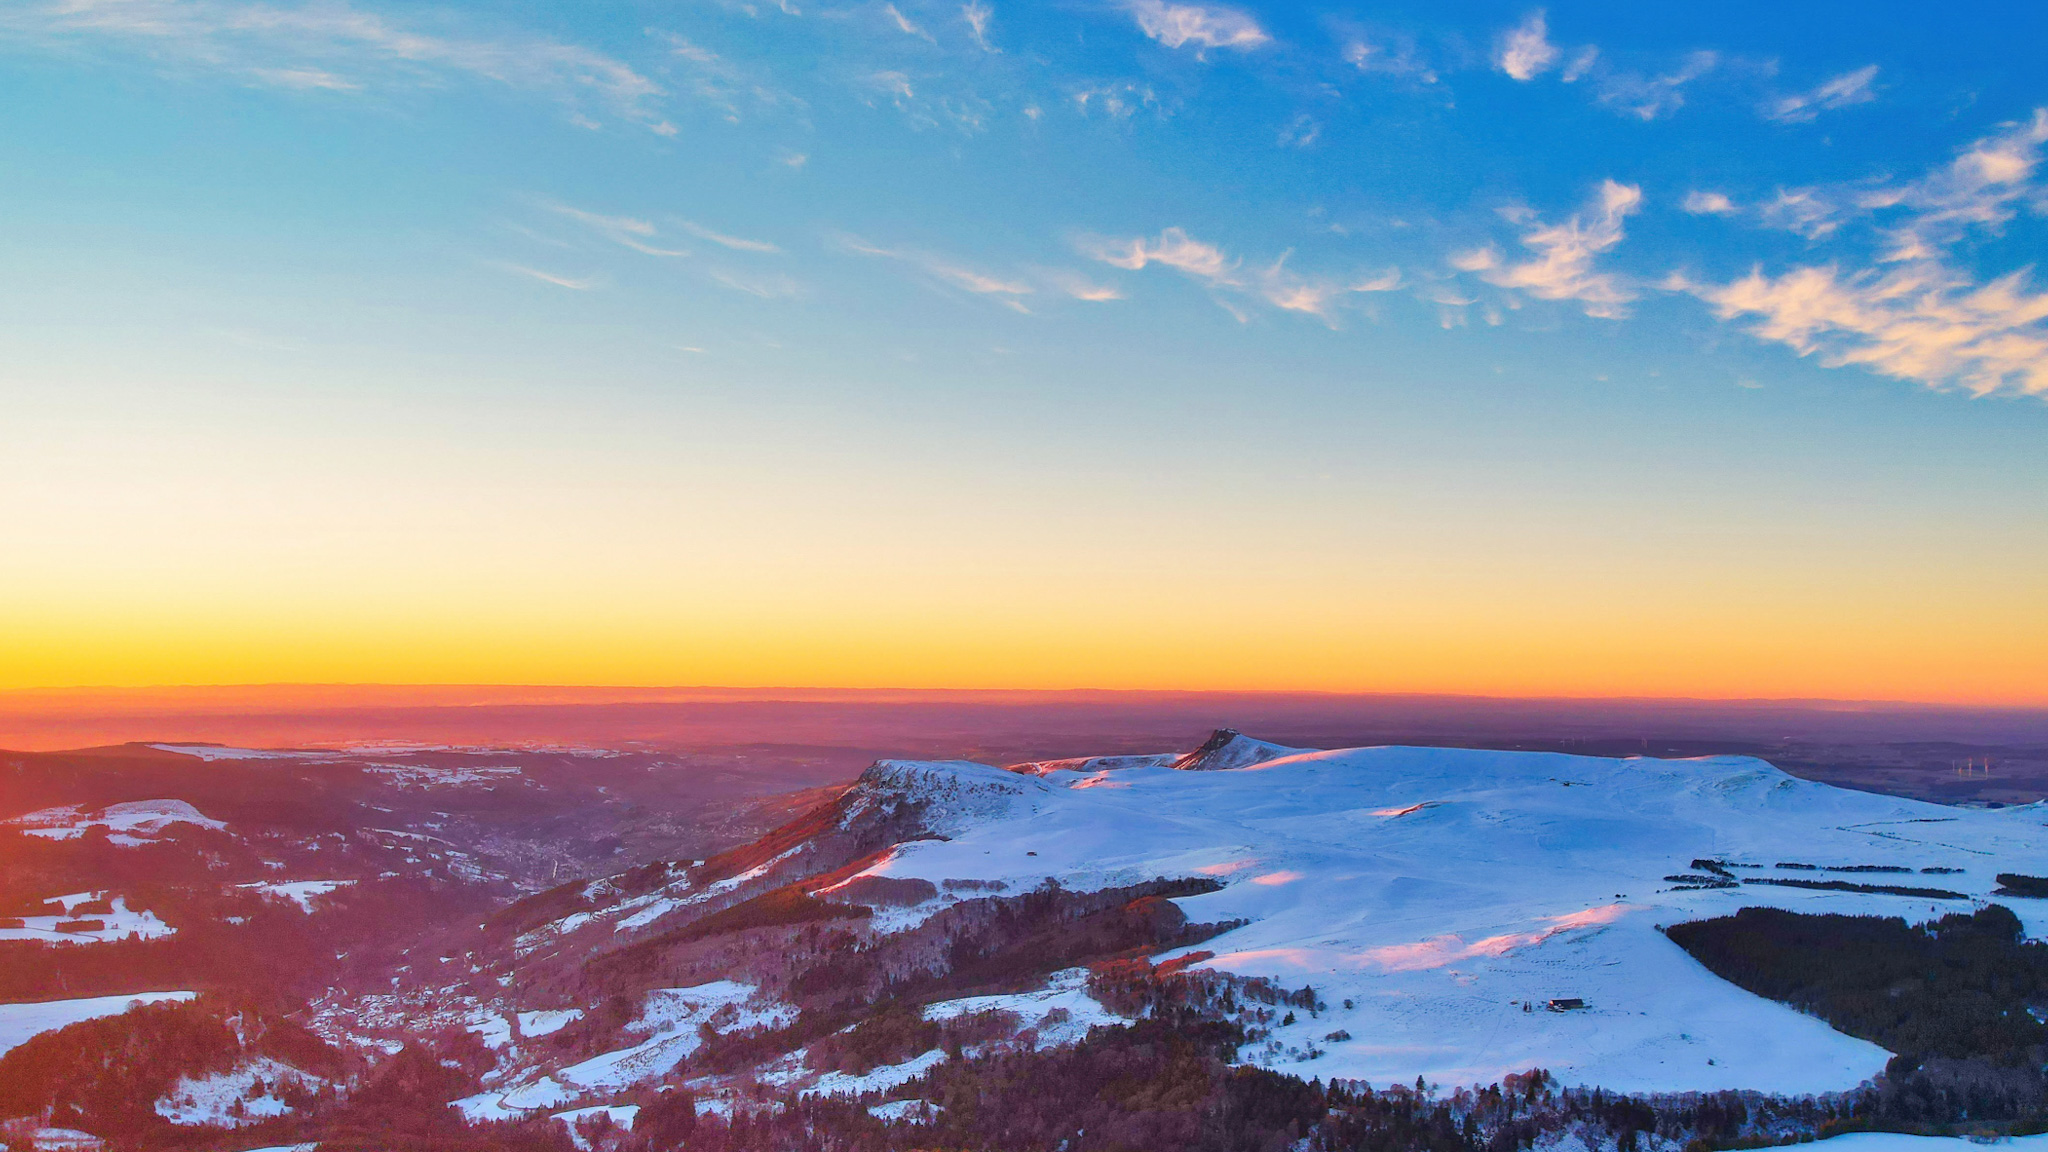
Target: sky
(1597, 349)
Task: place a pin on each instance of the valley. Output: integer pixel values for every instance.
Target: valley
(625, 948)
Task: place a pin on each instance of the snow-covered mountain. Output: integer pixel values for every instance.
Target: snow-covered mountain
(1442, 892)
(1460, 915)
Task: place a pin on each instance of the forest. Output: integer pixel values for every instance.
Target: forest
(1958, 987)
(1169, 1079)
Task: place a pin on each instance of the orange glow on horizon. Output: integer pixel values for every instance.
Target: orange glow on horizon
(1934, 661)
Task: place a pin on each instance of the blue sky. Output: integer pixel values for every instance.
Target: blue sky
(1636, 338)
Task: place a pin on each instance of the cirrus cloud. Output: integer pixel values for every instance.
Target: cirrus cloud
(336, 47)
(1841, 92)
(1562, 264)
(1203, 26)
(1915, 313)
(1275, 284)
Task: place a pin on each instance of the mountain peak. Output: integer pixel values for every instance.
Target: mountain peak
(1227, 748)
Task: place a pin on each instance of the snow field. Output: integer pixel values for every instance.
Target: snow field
(130, 824)
(299, 892)
(495, 1030)
(119, 924)
(621, 1115)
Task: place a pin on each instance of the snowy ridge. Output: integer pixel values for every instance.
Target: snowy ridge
(212, 752)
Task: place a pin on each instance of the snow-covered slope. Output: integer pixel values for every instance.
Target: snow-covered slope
(251, 1091)
(18, 1022)
(1438, 899)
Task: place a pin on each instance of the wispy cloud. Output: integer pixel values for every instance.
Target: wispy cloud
(624, 230)
(1117, 100)
(1580, 64)
(1649, 97)
(1914, 314)
(573, 283)
(1274, 284)
(1805, 211)
(733, 242)
(1300, 132)
(753, 11)
(1174, 248)
(1399, 59)
(946, 271)
(1701, 203)
(1525, 51)
(1316, 296)
(895, 85)
(978, 15)
(1563, 264)
(1849, 88)
(1080, 287)
(769, 287)
(1980, 188)
(725, 84)
(905, 24)
(305, 79)
(1202, 26)
(337, 47)
(1921, 322)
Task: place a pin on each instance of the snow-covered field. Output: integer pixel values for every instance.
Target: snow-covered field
(130, 824)
(299, 892)
(119, 924)
(621, 1116)
(1899, 1142)
(495, 1029)
(19, 1022)
(1436, 899)
(879, 1079)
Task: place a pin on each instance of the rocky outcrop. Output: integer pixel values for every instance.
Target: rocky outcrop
(1227, 748)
